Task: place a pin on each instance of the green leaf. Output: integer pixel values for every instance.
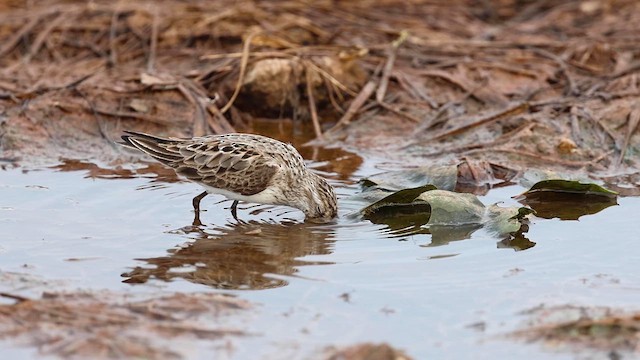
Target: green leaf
(398, 198)
(567, 199)
(569, 186)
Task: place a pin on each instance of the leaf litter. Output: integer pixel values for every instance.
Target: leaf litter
(107, 324)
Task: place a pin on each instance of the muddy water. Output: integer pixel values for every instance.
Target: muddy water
(317, 285)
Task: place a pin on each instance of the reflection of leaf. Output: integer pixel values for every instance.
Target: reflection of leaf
(443, 177)
(444, 234)
(566, 206)
(517, 240)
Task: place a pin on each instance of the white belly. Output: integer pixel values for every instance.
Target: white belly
(266, 196)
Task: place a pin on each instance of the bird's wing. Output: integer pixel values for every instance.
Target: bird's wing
(215, 161)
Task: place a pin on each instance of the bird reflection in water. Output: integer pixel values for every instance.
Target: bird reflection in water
(239, 256)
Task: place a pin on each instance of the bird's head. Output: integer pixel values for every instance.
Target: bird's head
(318, 200)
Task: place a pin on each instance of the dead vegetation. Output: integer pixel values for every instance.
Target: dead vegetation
(111, 325)
(549, 83)
(593, 328)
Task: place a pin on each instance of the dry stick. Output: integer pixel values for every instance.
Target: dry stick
(511, 111)
(388, 66)
(11, 43)
(153, 43)
(215, 111)
(356, 104)
(243, 68)
(312, 106)
(14, 297)
(499, 141)
(331, 90)
(431, 121)
(200, 121)
(220, 126)
(42, 36)
(331, 78)
(632, 125)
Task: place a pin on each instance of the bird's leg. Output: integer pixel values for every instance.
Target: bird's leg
(234, 210)
(196, 208)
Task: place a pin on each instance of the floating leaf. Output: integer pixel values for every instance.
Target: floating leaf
(443, 177)
(398, 198)
(567, 199)
(566, 206)
(417, 209)
(450, 208)
(568, 186)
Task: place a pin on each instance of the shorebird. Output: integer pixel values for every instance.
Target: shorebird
(243, 167)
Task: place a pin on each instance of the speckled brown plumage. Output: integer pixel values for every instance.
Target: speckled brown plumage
(243, 167)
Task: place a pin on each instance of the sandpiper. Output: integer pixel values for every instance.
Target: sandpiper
(243, 167)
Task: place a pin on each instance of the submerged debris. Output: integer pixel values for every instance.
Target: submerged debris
(113, 325)
(595, 328)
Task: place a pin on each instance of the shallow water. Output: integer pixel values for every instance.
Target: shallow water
(317, 285)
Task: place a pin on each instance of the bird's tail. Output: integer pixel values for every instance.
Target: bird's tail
(159, 148)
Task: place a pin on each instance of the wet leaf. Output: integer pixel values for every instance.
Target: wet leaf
(553, 195)
(450, 208)
(426, 209)
(442, 177)
(566, 199)
(506, 220)
(568, 186)
(566, 206)
(398, 198)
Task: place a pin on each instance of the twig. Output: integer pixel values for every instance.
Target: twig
(217, 113)
(14, 297)
(312, 105)
(432, 120)
(511, 111)
(388, 66)
(243, 68)
(499, 141)
(356, 104)
(201, 117)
